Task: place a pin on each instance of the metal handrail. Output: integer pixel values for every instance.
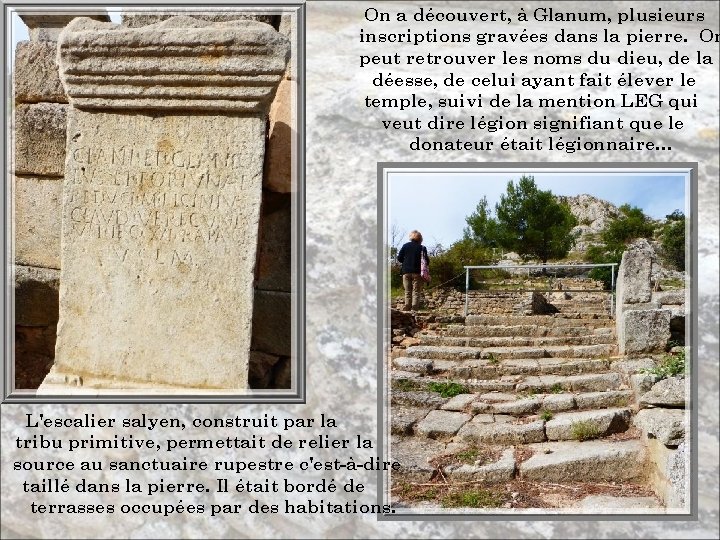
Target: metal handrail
(529, 266)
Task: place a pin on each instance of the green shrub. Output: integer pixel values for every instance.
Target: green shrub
(584, 430)
(447, 389)
(546, 415)
(671, 365)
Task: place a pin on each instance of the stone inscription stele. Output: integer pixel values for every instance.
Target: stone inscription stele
(161, 207)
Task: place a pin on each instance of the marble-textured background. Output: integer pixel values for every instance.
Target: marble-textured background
(344, 143)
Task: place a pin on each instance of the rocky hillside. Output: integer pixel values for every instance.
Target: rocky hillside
(592, 214)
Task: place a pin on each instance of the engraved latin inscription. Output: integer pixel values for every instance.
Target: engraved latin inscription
(167, 206)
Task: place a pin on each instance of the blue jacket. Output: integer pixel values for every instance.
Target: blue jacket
(409, 256)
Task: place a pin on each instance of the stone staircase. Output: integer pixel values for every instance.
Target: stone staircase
(517, 404)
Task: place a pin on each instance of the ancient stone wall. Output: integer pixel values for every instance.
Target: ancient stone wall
(647, 318)
(40, 123)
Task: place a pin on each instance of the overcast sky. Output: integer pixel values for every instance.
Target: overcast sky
(436, 204)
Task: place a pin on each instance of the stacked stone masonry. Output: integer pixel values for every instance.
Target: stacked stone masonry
(40, 131)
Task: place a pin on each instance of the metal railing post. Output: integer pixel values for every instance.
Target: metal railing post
(612, 290)
(467, 286)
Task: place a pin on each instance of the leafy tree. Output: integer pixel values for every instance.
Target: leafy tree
(673, 240)
(527, 220)
(632, 223)
(448, 265)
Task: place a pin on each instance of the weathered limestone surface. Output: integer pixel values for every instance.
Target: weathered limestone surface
(161, 210)
(481, 432)
(589, 461)
(136, 20)
(604, 421)
(40, 139)
(180, 63)
(646, 331)
(36, 73)
(500, 471)
(441, 424)
(633, 285)
(666, 425)
(160, 221)
(677, 473)
(668, 392)
(37, 220)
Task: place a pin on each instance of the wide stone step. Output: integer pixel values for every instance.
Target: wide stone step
(526, 330)
(483, 429)
(589, 461)
(559, 319)
(518, 385)
(597, 382)
(433, 352)
(439, 352)
(516, 341)
(507, 403)
(490, 369)
(550, 351)
(585, 425)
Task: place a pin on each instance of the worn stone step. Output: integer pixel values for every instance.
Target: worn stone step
(475, 385)
(550, 351)
(528, 330)
(438, 352)
(517, 341)
(489, 369)
(502, 470)
(559, 319)
(441, 425)
(584, 425)
(588, 461)
(553, 366)
(596, 382)
(507, 403)
(483, 429)
(418, 398)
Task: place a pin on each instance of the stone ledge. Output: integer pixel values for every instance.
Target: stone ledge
(61, 382)
(181, 63)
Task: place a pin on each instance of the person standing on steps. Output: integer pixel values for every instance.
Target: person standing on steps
(409, 256)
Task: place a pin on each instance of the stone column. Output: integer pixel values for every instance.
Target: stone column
(161, 200)
(641, 327)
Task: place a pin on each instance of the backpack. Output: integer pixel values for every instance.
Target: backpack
(424, 269)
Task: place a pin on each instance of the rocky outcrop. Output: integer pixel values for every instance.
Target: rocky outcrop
(592, 215)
